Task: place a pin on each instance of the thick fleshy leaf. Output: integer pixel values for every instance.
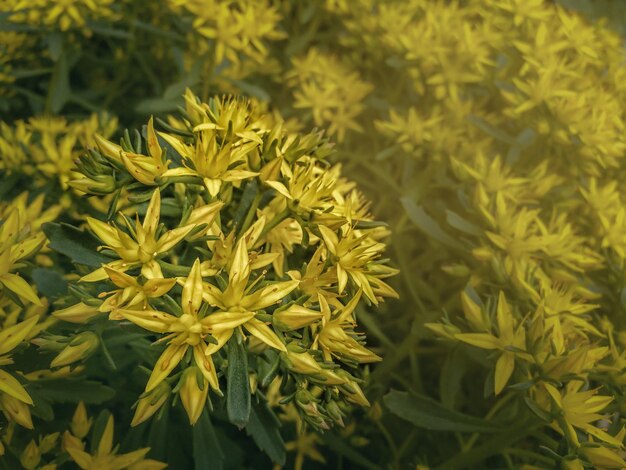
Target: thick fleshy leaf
(238, 400)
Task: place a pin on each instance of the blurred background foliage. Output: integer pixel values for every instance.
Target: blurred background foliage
(489, 134)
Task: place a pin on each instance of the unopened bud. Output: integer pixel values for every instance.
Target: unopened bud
(149, 403)
(295, 317)
(47, 443)
(79, 313)
(79, 348)
(69, 441)
(193, 393)
(16, 410)
(302, 363)
(31, 456)
(81, 423)
(271, 170)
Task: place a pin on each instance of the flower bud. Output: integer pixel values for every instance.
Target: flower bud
(294, 317)
(69, 441)
(16, 410)
(473, 313)
(79, 313)
(31, 456)
(81, 423)
(271, 170)
(302, 363)
(149, 403)
(79, 348)
(193, 393)
(47, 443)
(334, 412)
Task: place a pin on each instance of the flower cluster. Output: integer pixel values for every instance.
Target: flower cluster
(65, 14)
(505, 139)
(21, 309)
(253, 249)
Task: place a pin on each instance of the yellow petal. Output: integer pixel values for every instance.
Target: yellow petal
(330, 238)
(264, 333)
(480, 340)
(192, 290)
(153, 213)
(18, 285)
(206, 366)
(169, 359)
(221, 321)
(504, 369)
(12, 336)
(119, 278)
(268, 295)
(151, 320)
(105, 232)
(154, 149)
(11, 386)
(80, 457)
(280, 187)
(173, 237)
(221, 337)
(106, 440)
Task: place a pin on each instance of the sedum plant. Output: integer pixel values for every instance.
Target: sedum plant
(225, 278)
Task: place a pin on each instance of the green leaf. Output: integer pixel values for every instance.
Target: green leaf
(452, 372)
(7, 183)
(339, 446)
(491, 130)
(252, 90)
(71, 390)
(459, 223)
(207, 452)
(424, 412)
(59, 90)
(49, 282)
(81, 247)
(427, 224)
(264, 426)
(158, 105)
(55, 45)
(238, 386)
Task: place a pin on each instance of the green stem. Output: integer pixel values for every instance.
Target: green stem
(251, 213)
(275, 221)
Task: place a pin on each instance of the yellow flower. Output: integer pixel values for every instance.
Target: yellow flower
(351, 253)
(238, 307)
(211, 161)
(130, 294)
(190, 330)
(106, 457)
(580, 409)
(193, 393)
(141, 249)
(335, 334)
(10, 338)
(510, 342)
